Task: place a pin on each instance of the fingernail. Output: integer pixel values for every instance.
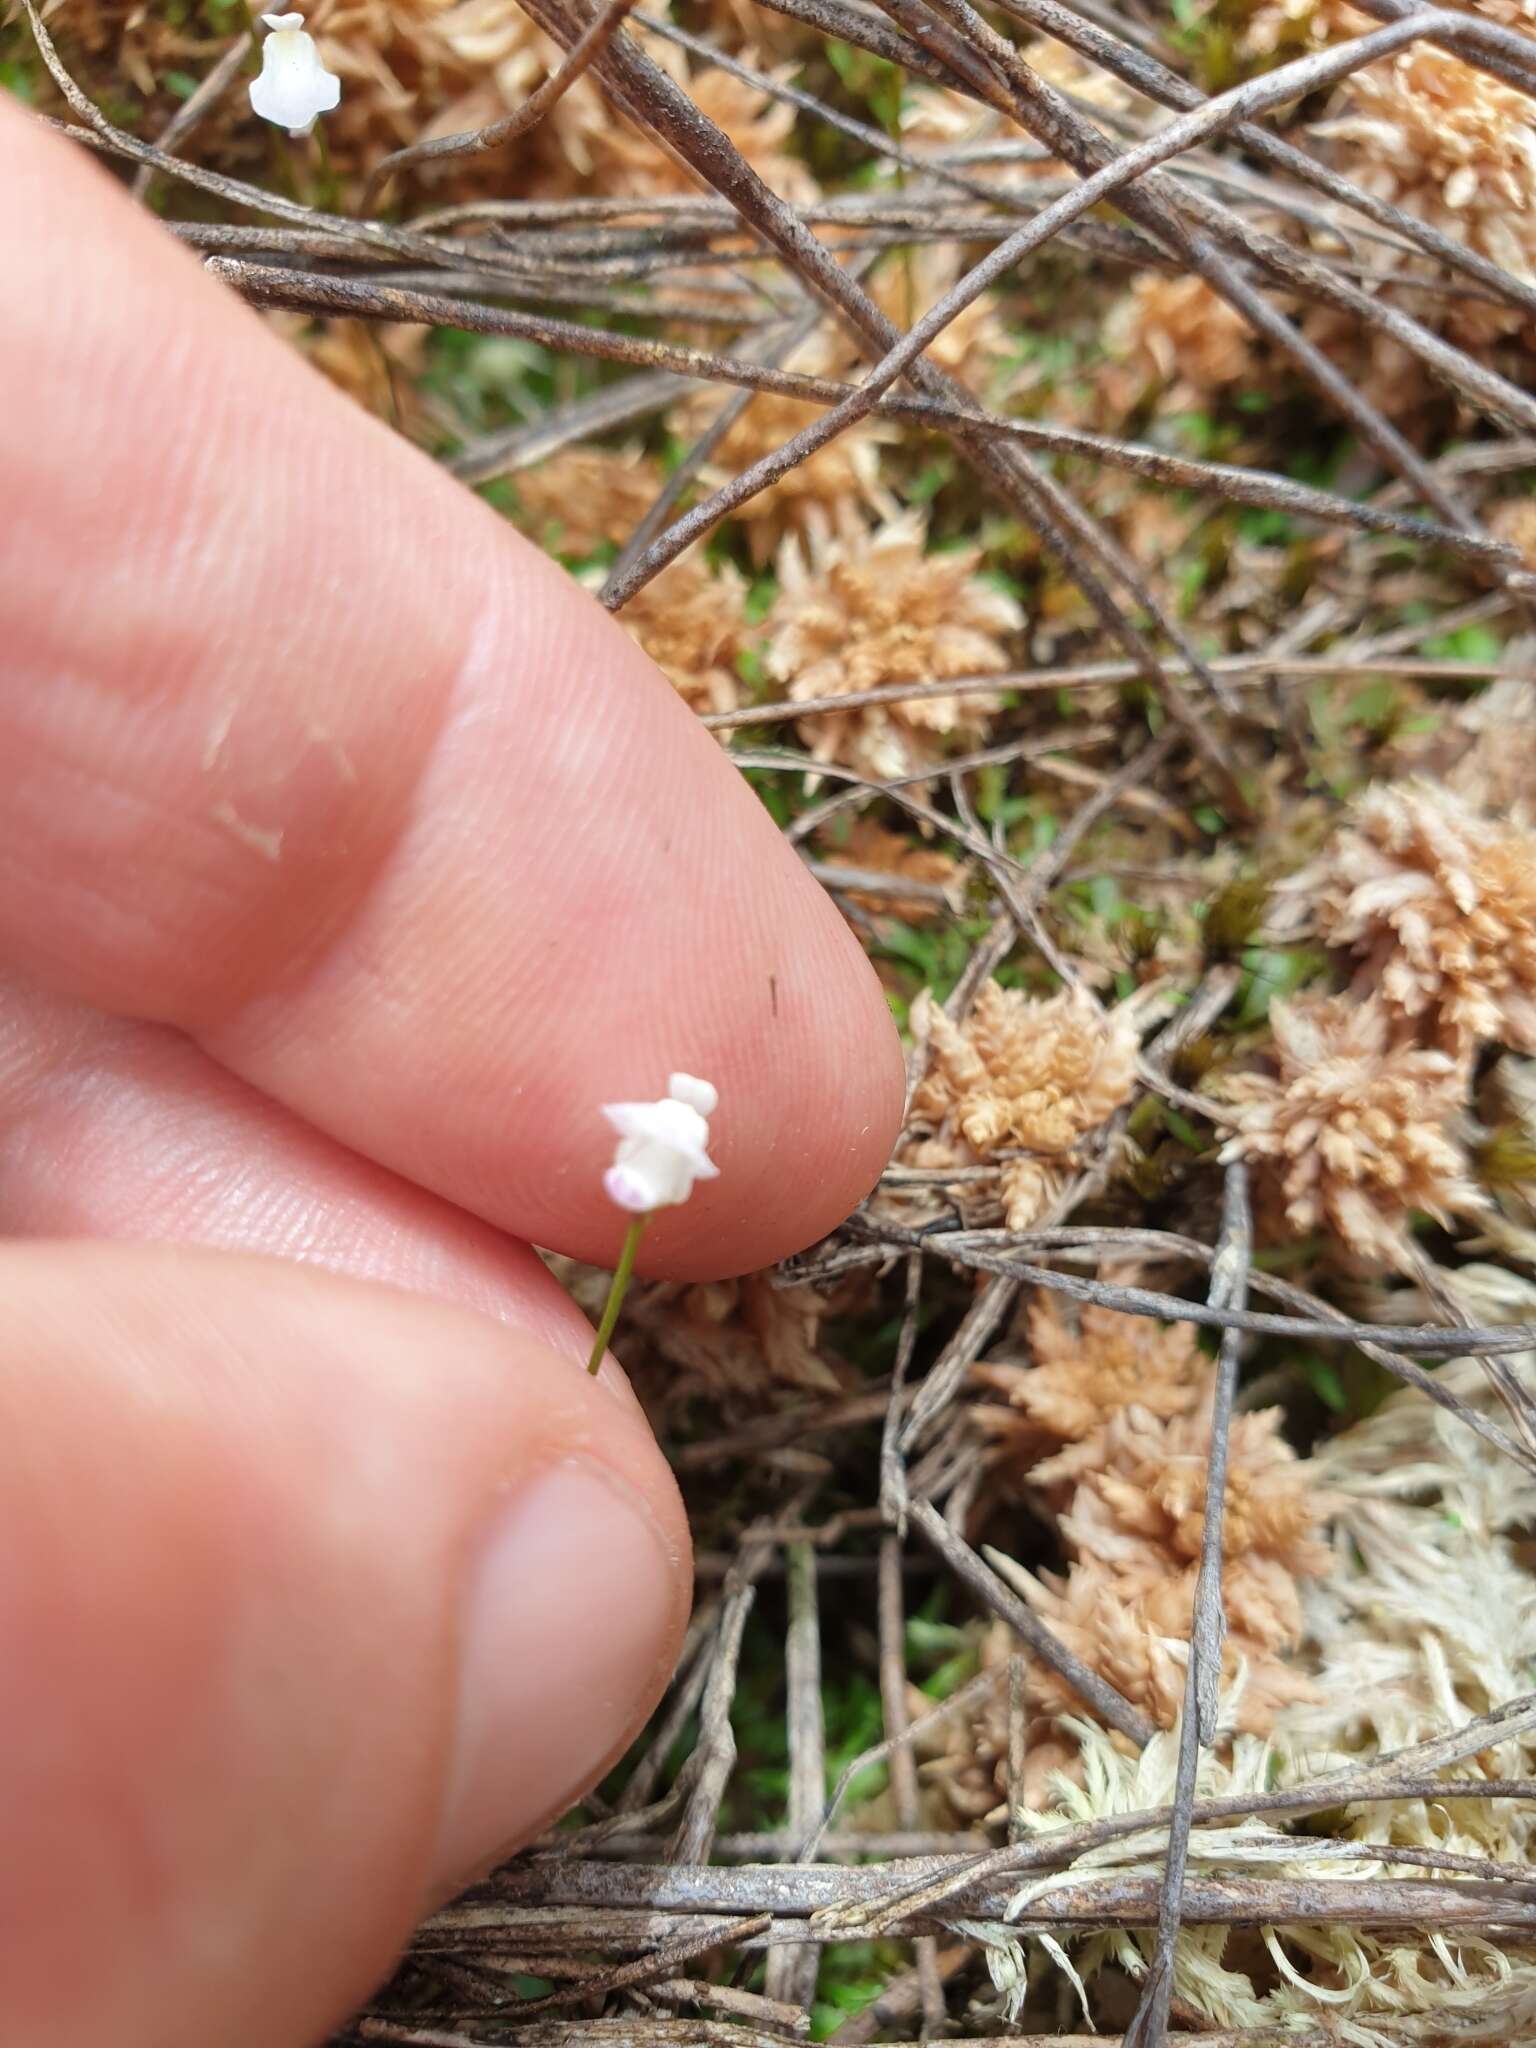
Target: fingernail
(565, 1634)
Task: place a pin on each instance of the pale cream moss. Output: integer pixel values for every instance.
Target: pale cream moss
(1438, 906)
(1367, 1989)
(1424, 1513)
(1111, 1781)
(1425, 1617)
(872, 608)
(1022, 1075)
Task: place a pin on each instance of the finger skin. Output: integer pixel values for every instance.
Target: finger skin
(304, 752)
(230, 1689)
(111, 1128)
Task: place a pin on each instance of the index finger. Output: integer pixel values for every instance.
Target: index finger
(303, 751)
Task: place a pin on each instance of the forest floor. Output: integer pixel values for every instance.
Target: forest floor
(1146, 666)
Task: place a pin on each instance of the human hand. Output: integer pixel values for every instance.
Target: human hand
(351, 859)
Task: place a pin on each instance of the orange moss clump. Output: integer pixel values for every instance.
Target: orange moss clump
(615, 157)
(1353, 1127)
(1450, 145)
(1086, 1368)
(829, 491)
(1175, 336)
(870, 848)
(1126, 1603)
(1022, 1075)
(691, 621)
(1438, 906)
(584, 498)
(875, 608)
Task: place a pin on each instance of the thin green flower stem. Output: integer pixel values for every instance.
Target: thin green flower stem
(328, 184)
(618, 1287)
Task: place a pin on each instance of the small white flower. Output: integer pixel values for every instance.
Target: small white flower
(294, 85)
(661, 1146)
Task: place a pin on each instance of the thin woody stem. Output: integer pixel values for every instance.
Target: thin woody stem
(618, 1287)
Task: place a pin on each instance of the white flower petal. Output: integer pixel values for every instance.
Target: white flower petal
(629, 1119)
(630, 1185)
(662, 1147)
(294, 86)
(699, 1095)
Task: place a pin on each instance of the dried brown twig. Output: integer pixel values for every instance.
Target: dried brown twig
(308, 291)
(1198, 1724)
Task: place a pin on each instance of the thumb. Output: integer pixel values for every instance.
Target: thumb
(313, 1597)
